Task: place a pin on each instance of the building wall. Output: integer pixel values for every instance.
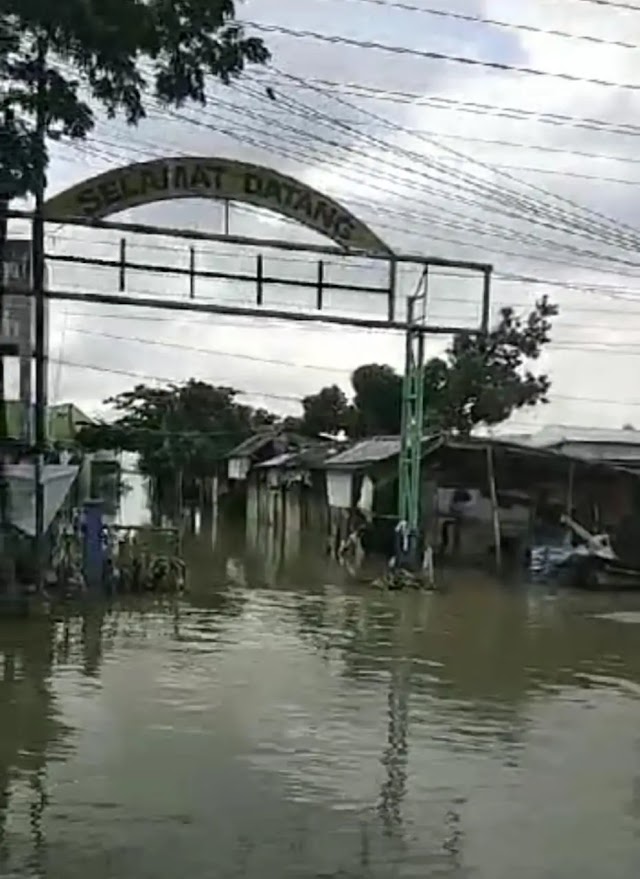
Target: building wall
(238, 468)
(286, 504)
(253, 506)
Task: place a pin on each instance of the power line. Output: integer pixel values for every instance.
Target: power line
(483, 228)
(298, 399)
(597, 288)
(479, 227)
(516, 144)
(577, 175)
(159, 378)
(530, 206)
(164, 343)
(422, 219)
(517, 114)
(625, 349)
(429, 221)
(338, 39)
(614, 4)
(440, 167)
(494, 22)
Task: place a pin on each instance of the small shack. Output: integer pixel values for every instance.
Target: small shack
(619, 447)
(287, 495)
(491, 496)
(481, 497)
(240, 461)
(361, 479)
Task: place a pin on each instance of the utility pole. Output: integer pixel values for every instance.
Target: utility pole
(409, 534)
(38, 278)
(409, 493)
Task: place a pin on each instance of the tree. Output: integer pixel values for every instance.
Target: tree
(121, 54)
(485, 378)
(178, 429)
(377, 400)
(479, 380)
(325, 412)
(58, 60)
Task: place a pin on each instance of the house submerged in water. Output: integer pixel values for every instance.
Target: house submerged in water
(483, 498)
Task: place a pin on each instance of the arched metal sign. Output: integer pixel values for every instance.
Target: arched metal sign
(214, 178)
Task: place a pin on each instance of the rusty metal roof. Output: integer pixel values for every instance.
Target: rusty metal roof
(252, 444)
(310, 458)
(367, 451)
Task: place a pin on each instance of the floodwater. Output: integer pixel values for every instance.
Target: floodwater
(278, 724)
(314, 730)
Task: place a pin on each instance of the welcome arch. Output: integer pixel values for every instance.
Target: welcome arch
(92, 201)
(170, 179)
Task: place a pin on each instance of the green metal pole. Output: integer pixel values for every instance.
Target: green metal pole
(409, 488)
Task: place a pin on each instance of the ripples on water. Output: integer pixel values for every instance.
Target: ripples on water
(324, 732)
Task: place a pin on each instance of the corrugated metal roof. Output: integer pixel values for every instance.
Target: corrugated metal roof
(278, 461)
(558, 434)
(252, 444)
(310, 458)
(367, 451)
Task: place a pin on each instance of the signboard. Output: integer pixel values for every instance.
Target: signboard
(17, 310)
(196, 177)
(18, 323)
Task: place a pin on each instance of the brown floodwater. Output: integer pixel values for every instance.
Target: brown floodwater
(278, 724)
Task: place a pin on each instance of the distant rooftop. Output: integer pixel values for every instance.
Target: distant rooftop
(558, 434)
(367, 451)
(252, 444)
(311, 457)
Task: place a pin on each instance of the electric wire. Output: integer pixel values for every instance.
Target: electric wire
(444, 102)
(478, 230)
(493, 22)
(570, 203)
(291, 397)
(430, 55)
(232, 108)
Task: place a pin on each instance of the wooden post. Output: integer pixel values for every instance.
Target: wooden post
(192, 273)
(570, 488)
(259, 279)
(491, 473)
(320, 288)
(122, 280)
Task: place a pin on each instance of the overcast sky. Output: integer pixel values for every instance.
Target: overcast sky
(419, 172)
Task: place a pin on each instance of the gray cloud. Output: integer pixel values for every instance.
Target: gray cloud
(393, 193)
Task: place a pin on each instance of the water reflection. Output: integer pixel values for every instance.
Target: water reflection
(304, 729)
(32, 734)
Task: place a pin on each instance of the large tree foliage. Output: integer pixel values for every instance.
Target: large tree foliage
(59, 60)
(481, 379)
(376, 401)
(188, 428)
(184, 428)
(325, 412)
